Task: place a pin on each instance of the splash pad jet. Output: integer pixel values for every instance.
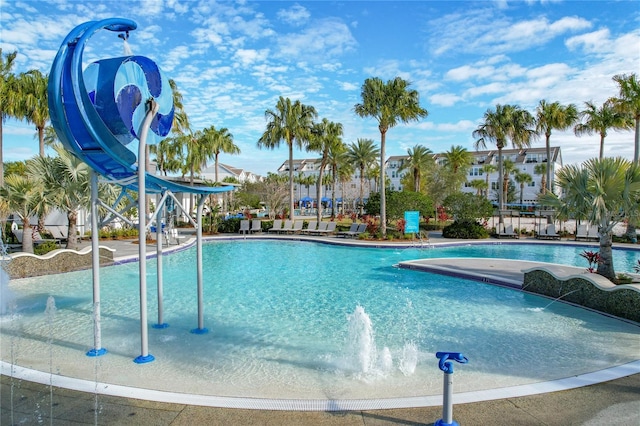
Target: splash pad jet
(106, 115)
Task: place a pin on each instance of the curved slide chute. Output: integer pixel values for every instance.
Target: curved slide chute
(97, 113)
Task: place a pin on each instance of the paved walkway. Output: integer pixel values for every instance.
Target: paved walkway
(613, 402)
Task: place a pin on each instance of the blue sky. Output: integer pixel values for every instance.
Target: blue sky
(232, 60)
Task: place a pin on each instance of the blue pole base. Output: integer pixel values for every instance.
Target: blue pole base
(97, 352)
(144, 359)
(163, 325)
(442, 423)
(200, 330)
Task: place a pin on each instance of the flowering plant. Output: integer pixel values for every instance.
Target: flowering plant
(637, 267)
(593, 257)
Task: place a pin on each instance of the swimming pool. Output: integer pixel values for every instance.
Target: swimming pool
(280, 315)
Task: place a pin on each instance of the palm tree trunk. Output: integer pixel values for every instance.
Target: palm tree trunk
(72, 238)
(383, 201)
(291, 181)
(548, 146)
(361, 190)
(41, 140)
(1, 157)
(605, 267)
(319, 195)
(27, 236)
(601, 147)
(500, 186)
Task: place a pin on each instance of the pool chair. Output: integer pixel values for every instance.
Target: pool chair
(297, 227)
(287, 227)
(508, 232)
(313, 225)
(322, 226)
(244, 226)
(330, 229)
(256, 226)
(592, 233)
(277, 225)
(352, 230)
(582, 232)
(549, 233)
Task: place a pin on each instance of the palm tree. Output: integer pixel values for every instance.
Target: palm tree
(508, 167)
(479, 185)
(599, 120)
(21, 194)
(66, 183)
(522, 178)
(169, 155)
(420, 159)
(541, 169)
(290, 122)
(487, 169)
(180, 123)
(325, 136)
(389, 103)
(218, 141)
(602, 190)
(457, 161)
(7, 95)
(551, 116)
(362, 154)
(628, 101)
(34, 106)
(337, 159)
(507, 122)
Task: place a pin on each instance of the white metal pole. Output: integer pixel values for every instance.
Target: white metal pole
(447, 399)
(159, 233)
(145, 356)
(201, 329)
(95, 266)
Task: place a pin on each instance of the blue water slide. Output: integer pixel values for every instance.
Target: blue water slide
(98, 112)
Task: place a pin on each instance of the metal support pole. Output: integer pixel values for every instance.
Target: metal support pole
(201, 329)
(95, 266)
(159, 273)
(145, 356)
(447, 395)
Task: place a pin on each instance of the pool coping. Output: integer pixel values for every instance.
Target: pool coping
(100, 388)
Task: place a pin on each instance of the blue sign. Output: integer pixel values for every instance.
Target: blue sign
(412, 225)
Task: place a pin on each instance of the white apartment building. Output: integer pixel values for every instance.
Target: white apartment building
(224, 170)
(524, 160)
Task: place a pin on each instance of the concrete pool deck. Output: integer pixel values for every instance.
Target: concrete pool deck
(611, 402)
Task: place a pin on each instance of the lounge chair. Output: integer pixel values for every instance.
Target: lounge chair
(256, 226)
(322, 226)
(330, 229)
(244, 226)
(277, 226)
(287, 227)
(549, 233)
(592, 233)
(352, 230)
(582, 232)
(313, 225)
(508, 232)
(297, 227)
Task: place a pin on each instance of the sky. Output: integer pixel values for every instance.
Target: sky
(232, 60)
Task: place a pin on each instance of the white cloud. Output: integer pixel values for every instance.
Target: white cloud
(444, 99)
(248, 56)
(324, 39)
(591, 42)
(296, 15)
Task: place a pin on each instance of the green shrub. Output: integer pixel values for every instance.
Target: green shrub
(45, 248)
(465, 229)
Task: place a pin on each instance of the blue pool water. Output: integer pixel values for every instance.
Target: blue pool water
(282, 317)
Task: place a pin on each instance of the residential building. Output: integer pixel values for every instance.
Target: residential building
(525, 160)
